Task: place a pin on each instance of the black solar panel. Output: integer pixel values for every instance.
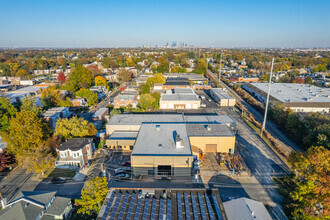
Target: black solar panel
(201, 206)
(123, 207)
(209, 207)
(115, 206)
(153, 209)
(186, 205)
(130, 208)
(107, 208)
(138, 209)
(193, 201)
(217, 208)
(145, 210)
(168, 209)
(178, 196)
(161, 209)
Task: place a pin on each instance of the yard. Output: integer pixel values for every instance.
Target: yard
(65, 173)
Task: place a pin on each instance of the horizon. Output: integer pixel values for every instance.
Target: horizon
(130, 24)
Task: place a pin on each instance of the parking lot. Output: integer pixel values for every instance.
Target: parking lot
(208, 101)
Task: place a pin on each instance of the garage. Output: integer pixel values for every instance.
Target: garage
(210, 148)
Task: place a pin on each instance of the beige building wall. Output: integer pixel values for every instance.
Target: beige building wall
(154, 161)
(177, 104)
(111, 128)
(223, 144)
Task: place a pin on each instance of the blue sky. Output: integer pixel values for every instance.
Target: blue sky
(108, 23)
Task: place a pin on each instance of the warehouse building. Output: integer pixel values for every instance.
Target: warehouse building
(166, 144)
(221, 96)
(297, 97)
(179, 98)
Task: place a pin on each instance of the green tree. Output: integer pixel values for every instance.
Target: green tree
(123, 75)
(312, 192)
(101, 81)
(320, 68)
(144, 88)
(106, 62)
(29, 104)
(146, 101)
(23, 73)
(114, 112)
(7, 110)
(93, 195)
(74, 127)
(50, 97)
(264, 77)
(79, 78)
(308, 80)
(89, 95)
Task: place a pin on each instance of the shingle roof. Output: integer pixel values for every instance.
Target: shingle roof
(74, 144)
(58, 206)
(40, 197)
(21, 211)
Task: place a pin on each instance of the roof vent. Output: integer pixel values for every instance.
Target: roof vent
(208, 127)
(160, 145)
(178, 142)
(158, 127)
(27, 204)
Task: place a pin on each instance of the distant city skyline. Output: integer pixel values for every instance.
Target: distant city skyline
(101, 23)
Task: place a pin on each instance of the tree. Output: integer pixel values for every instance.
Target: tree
(101, 81)
(123, 75)
(130, 61)
(94, 70)
(158, 78)
(320, 68)
(89, 95)
(25, 134)
(146, 101)
(114, 112)
(50, 97)
(312, 191)
(93, 195)
(106, 62)
(6, 160)
(264, 77)
(23, 73)
(29, 104)
(79, 78)
(7, 110)
(144, 88)
(308, 80)
(74, 127)
(61, 78)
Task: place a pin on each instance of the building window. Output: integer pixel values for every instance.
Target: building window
(77, 154)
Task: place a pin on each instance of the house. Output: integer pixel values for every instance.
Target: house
(243, 79)
(37, 205)
(79, 102)
(244, 208)
(27, 82)
(101, 91)
(75, 153)
(100, 114)
(53, 114)
(123, 100)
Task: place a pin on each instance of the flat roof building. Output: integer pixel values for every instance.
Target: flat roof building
(179, 98)
(221, 96)
(298, 97)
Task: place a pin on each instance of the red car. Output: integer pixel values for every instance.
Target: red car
(127, 163)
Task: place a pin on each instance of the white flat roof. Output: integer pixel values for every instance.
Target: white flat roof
(153, 142)
(294, 92)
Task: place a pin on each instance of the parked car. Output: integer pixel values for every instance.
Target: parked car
(122, 176)
(203, 105)
(210, 100)
(57, 180)
(127, 163)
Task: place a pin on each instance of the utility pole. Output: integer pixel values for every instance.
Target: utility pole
(220, 69)
(267, 102)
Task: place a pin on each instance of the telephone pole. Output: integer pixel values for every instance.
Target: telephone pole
(267, 102)
(220, 69)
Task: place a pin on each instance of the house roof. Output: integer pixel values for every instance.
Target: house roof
(21, 211)
(244, 208)
(40, 197)
(58, 206)
(74, 144)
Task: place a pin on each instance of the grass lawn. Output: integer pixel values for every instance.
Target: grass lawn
(58, 172)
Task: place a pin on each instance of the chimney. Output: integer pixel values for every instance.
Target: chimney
(208, 127)
(179, 142)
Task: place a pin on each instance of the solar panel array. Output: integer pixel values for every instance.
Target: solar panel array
(201, 206)
(168, 209)
(145, 210)
(161, 209)
(186, 205)
(130, 208)
(153, 209)
(194, 206)
(116, 205)
(178, 196)
(123, 207)
(138, 209)
(217, 209)
(209, 207)
(107, 208)
(126, 205)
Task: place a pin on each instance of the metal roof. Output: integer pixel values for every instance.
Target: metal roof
(208, 130)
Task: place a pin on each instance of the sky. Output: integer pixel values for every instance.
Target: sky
(117, 23)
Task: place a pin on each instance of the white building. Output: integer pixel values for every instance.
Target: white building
(221, 96)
